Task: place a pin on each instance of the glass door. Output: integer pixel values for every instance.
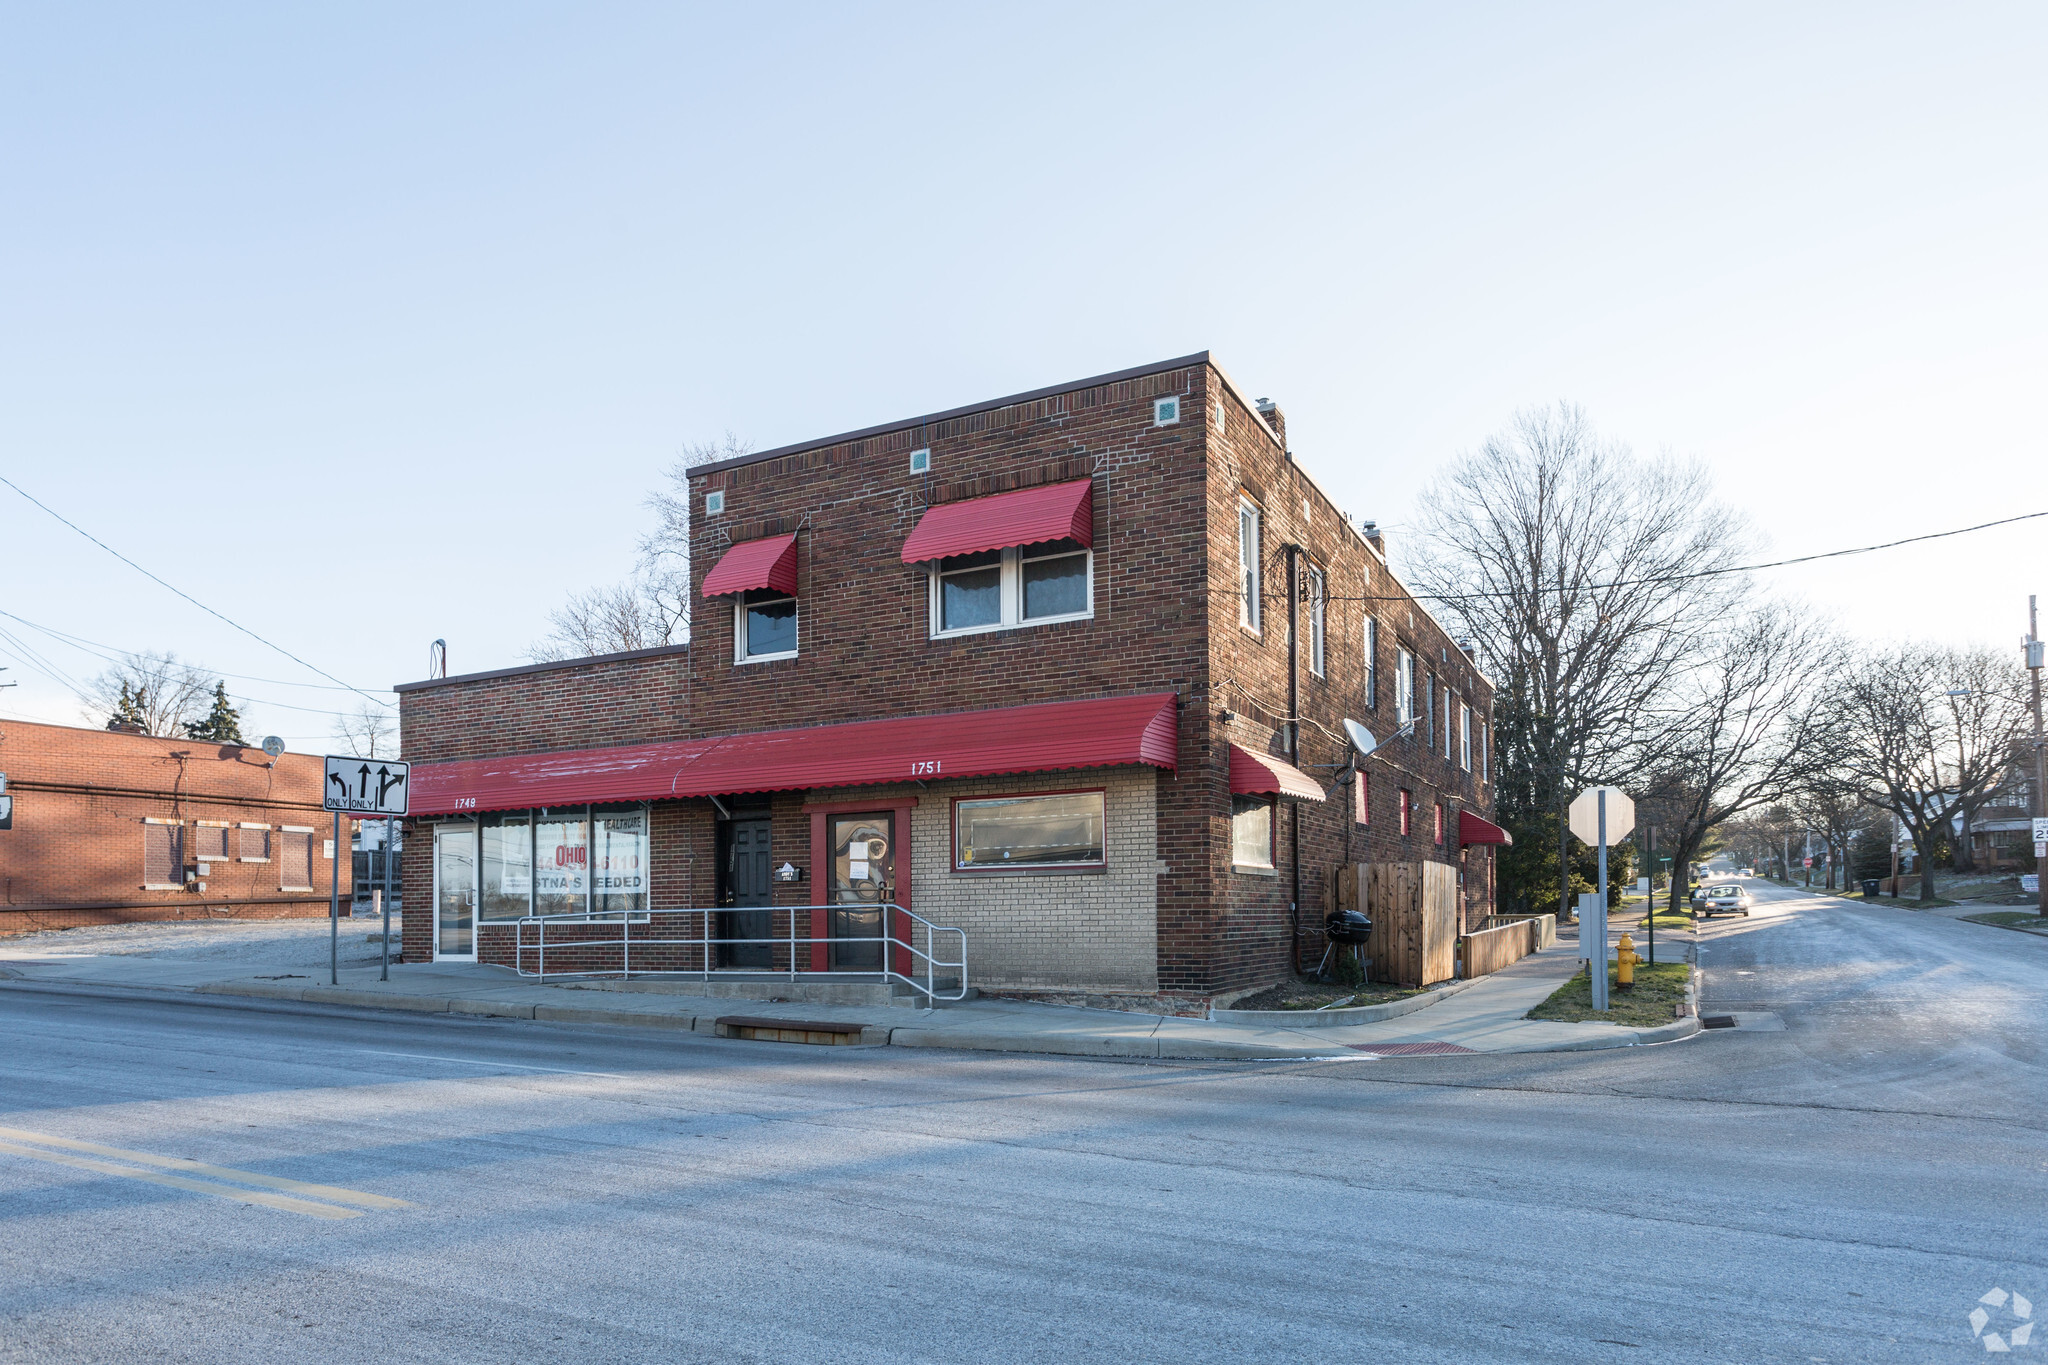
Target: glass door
(455, 892)
(863, 881)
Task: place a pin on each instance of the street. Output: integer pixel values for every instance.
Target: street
(1839, 1178)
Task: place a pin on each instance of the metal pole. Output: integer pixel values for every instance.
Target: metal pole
(390, 831)
(1598, 966)
(334, 908)
(2040, 752)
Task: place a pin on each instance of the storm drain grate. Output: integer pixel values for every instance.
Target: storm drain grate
(1717, 1021)
(1410, 1049)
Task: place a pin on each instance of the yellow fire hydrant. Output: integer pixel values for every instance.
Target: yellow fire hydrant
(1625, 962)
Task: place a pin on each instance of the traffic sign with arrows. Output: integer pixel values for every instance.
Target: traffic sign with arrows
(366, 786)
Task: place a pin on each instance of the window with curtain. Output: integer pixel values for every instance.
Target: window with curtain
(1251, 831)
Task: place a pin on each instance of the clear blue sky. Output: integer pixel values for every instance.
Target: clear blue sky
(374, 324)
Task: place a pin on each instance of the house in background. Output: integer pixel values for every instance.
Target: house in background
(108, 827)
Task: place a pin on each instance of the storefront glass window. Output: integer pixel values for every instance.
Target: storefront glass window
(507, 865)
(619, 859)
(1029, 831)
(561, 863)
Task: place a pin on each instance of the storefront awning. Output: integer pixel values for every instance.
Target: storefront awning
(1059, 511)
(1106, 732)
(1264, 775)
(753, 564)
(1472, 829)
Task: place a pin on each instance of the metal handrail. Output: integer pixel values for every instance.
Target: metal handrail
(625, 942)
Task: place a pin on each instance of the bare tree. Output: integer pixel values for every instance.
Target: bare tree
(652, 607)
(1930, 731)
(366, 730)
(1587, 573)
(1833, 807)
(1746, 727)
(153, 691)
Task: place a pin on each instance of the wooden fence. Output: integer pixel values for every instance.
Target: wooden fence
(1414, 911)
(1543, 928)
(1489, 950)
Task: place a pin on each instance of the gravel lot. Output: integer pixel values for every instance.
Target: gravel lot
(274, 943)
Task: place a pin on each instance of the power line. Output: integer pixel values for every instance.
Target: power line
(1662, 578)
(188, 596)
(81, 642)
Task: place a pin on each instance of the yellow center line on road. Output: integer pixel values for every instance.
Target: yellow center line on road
(179, 1182)
(179, 1163)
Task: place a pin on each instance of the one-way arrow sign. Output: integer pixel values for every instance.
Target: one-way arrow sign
(362, 787)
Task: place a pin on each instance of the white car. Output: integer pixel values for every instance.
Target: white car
(1726, 899)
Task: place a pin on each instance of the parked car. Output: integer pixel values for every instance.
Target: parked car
(1726, 899)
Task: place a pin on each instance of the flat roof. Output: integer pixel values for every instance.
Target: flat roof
(580, 661)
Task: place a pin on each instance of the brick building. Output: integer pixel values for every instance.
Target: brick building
(109, 827)
(1028, 668)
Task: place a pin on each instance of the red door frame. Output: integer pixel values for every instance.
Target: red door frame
(899, 808)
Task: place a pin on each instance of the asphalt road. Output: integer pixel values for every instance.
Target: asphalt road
(1840, 1179)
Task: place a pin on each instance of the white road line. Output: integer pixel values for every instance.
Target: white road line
(178, 1182)
(179, 1163)
(471, 1061)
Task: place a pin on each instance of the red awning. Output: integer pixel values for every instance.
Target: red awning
(1472, 829)
(1015, 739)
(1264, 775)
(751, 564)
(1058, 511)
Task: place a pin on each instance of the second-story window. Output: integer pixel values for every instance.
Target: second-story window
(1317, 596)
(1248, 564)
(1027, 585)
(1404, 687)
(764, 626)
(1465, 737)
(1428, 726)
(1372, 663)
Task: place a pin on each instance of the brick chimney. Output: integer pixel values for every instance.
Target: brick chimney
(1275, 419)
(1371, 531)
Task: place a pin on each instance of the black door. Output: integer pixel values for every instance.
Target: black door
(745, 868)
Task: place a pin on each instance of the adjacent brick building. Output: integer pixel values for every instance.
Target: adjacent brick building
(1030, 667)
(109, 827)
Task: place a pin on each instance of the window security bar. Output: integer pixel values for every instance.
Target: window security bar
(625, 941)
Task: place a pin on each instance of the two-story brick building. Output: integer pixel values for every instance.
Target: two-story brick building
(1066, 670)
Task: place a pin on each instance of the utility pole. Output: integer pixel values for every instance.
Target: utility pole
(2035, 649)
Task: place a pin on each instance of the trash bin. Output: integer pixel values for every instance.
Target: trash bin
(1870, 888)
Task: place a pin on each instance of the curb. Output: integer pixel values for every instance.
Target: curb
(1362, 1014)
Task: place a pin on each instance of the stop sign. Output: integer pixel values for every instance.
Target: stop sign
(1585, 815)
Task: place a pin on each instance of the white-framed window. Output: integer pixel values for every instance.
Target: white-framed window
(1428, 725)
(1482, 751)
(1372, 663)
(1448, 707)
(714, 503)
(1219, 414)
(1051, 830)
(1165, 411)
(1025, 585)
(1318, 597)
(1404, 686)
(920, 461)
(1248, 587)
(1465, 737)
(763, 626)
(1251, 832)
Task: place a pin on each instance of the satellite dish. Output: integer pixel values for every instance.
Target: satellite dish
(1361, 738)
(272, 745)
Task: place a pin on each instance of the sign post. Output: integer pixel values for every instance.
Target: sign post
(352, 786)
(1599, 815)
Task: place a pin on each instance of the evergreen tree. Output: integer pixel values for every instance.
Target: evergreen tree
(129, 709)
(223, 724)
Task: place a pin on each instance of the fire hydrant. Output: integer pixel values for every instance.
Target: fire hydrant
(1625, 963)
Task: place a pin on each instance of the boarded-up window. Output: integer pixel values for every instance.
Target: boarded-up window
(255, 842)
(295, 852)
(163, 855)
(209, 839)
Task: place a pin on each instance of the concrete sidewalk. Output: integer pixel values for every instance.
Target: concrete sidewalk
(1483, 1017)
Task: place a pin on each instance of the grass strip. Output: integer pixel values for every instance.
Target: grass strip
(2010, 919)
(1651, 1002)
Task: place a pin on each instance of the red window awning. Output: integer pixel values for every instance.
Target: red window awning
(1264, 775)
(766, 563)
(1058, 511)
(1473, 829)
(1102, 733)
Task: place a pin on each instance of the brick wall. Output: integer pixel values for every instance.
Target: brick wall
(81, 800)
